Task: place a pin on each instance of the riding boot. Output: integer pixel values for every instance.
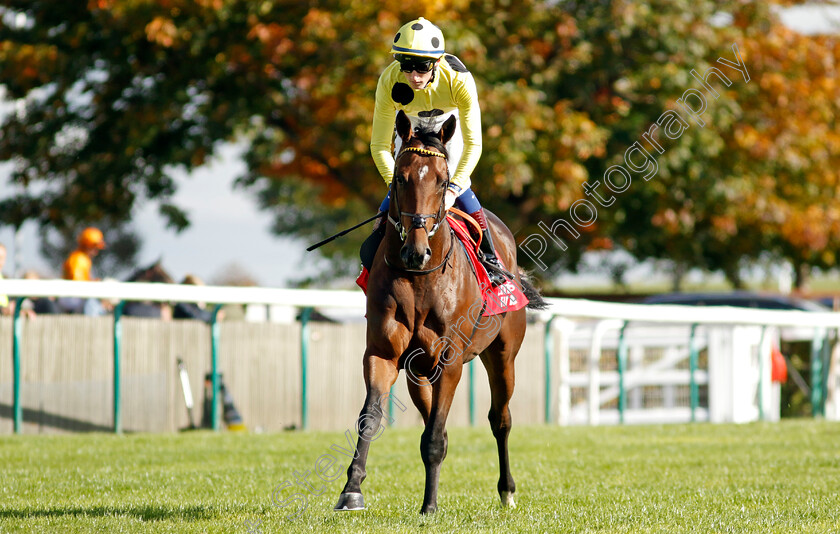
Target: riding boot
(488, 251)
(368, 252)
(371, 244)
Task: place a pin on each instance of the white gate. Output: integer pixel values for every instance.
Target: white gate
(666, 373)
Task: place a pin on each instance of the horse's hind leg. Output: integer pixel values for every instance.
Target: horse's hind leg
(498, 360)
(380, 375)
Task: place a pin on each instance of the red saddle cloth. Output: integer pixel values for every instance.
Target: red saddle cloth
(500, 299)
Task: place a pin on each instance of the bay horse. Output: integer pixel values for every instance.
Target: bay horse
(424, 315)
(153, 273)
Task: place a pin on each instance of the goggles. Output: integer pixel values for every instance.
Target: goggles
(414, 63)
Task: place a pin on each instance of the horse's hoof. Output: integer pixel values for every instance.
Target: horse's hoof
(428, 509)
(350, 502)
(507, 499)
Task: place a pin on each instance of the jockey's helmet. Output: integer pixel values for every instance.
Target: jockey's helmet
(418, 38)
(92, 237)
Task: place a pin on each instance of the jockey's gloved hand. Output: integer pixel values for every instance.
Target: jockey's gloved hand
(451, 196)
(378, 222)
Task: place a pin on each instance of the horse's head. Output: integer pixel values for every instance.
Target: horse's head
(153, 273)
(421, 177)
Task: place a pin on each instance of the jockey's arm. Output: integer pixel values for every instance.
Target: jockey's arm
(466, 96)
(384, 116)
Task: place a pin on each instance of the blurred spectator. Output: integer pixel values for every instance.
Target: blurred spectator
(38, 305)
(79, 267)
(191, 310)
(147, 309)
(150, 310)
(5, 309)
(155, 273)
(234, 274)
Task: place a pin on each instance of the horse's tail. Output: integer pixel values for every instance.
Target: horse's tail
(535, 300)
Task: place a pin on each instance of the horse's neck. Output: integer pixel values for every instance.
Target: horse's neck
(443, 239)
(427, 290)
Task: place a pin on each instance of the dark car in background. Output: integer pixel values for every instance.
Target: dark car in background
(832, 303)
(738, 299)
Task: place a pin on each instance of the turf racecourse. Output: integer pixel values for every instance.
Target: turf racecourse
(679, 478)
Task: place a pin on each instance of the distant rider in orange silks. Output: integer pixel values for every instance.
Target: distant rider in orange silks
(79, 266)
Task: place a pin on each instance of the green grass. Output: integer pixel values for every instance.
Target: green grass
(759, 478)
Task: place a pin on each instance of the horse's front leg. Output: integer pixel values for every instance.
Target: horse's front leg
(434, 442)
(380, 375)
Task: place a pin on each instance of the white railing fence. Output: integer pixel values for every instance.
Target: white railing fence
(604, 362)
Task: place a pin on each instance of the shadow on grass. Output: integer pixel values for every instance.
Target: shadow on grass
(51, 420)
(146, 513)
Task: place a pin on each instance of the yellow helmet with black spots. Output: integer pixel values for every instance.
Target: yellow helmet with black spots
(419, 38)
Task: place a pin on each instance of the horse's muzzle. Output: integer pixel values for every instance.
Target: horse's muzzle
(415, 257)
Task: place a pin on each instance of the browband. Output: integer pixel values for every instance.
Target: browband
(424, 151)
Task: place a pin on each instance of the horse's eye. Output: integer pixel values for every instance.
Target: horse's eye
(400, 179)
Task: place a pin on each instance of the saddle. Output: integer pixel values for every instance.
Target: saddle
(499, 299)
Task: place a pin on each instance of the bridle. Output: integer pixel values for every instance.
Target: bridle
(418, 220)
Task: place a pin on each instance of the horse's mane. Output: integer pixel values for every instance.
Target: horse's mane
(430, 138)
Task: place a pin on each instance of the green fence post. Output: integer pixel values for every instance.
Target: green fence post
(214, 368)
(693, 356)
(117, 378)
(16, 333)
(304, 354)
(826, 365)
(471, 366)
(548, 349)
(621, 356)
(817, 396)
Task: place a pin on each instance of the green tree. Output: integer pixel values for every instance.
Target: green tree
(115, 94)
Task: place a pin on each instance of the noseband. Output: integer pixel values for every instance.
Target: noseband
(418, 220)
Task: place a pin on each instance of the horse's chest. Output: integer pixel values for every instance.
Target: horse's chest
(418, 318)
(426, 318)
(423, 320)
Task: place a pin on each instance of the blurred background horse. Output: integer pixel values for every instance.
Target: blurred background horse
(153, 273)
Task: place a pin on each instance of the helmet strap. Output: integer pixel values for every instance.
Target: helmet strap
(434, 73)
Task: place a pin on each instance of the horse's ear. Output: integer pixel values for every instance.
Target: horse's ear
(448, 129)
(403, 126)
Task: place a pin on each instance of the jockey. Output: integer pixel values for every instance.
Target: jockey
(430, 85)
(78, 265)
